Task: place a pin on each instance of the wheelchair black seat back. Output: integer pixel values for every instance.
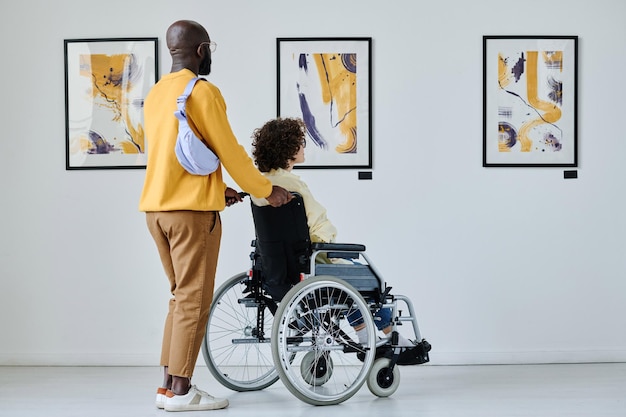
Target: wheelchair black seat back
(284, 253)
(283, 246)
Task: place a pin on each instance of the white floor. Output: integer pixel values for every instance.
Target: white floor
(594, 390)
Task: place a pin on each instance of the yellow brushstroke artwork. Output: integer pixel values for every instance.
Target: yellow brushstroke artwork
(113, 77)
(339, 85)
(551, 112)
(504, 74)
(548, 112)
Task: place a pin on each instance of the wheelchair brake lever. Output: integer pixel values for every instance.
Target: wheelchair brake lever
(385, 294)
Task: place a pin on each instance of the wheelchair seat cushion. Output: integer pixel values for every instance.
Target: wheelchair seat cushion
(360, 277)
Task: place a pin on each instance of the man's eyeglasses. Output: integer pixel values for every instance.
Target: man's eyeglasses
(212, 46)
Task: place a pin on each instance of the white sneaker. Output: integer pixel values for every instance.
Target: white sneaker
(194, 400)
(160, 397)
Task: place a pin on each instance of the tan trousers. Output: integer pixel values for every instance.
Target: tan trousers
(188, 243)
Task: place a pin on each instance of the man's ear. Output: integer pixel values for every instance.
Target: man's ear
(199, 51)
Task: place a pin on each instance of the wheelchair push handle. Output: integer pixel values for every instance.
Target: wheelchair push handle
(233, 200)
(243, 194)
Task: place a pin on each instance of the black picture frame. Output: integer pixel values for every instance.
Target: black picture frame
(327, 82)
(106, 82)
(530, 101)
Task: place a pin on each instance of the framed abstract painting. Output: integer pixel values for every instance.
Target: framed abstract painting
(106, 82)
(327, 82)
(530, 90)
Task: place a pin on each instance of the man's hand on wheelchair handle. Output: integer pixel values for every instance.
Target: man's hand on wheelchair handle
(232, 197)
(279, 196)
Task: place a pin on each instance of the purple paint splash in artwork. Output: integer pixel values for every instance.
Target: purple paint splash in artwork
(302, 63)
(518, 68)
(507, 134)
(556, 91)
(552, 142)
(309, 122)
(100, 144)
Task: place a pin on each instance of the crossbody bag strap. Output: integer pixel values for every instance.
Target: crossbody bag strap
(182, 99)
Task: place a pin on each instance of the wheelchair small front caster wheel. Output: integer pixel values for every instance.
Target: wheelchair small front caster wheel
(383, 381)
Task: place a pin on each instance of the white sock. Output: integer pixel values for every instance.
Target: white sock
(362, 335)
(403, 341)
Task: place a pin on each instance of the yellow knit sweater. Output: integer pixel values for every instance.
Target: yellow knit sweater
(167, 185)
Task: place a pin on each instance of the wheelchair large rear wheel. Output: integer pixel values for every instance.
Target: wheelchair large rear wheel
(233, 351)
(314, 345)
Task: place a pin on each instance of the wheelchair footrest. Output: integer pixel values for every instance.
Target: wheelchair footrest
(422, 349)
(415, 355)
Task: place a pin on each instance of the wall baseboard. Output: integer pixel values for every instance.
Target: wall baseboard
(80, 359)
(437, 358)
(526, 358)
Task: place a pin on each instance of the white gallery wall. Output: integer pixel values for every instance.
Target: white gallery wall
(504, 265)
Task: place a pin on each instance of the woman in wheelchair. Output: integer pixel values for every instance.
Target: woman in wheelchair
(279, 145)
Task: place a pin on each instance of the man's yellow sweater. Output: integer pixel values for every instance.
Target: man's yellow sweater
(167, 185)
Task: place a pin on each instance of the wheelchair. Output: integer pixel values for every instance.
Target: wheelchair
(291, 318)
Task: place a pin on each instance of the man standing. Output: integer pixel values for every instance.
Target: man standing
(182, 210)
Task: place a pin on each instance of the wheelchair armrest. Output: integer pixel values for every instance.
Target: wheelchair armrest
(343, 255)
(341, 247)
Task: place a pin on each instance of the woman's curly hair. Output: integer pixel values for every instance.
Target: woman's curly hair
(277, 142)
